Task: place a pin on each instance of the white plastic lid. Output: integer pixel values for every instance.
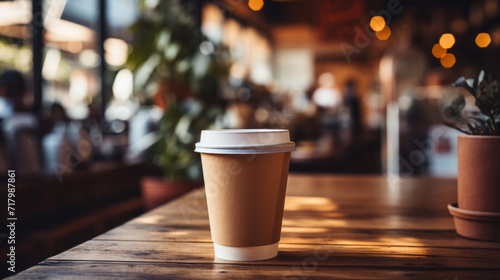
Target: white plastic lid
(245, 141)
(255, 253)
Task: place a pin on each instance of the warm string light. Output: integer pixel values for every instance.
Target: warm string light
(438, 51)
(256, 5)
(377, 23)
(483, 40)
(384, 34)
(448, 60)
(382, 31)
(447, 40)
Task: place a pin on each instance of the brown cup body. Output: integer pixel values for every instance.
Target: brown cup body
(478, 173)
(245, 197)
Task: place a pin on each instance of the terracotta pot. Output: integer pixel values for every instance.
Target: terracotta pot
(479, 173)
(477, 214)
(157, 190)
(476, 224)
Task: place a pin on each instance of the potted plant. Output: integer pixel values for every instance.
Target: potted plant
(177, 69)
(477, 214)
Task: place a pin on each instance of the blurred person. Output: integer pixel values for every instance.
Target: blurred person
(416, 112)
(52, 115)
(306, 123)
(328, 100)
(326, 96)
(19, 126)
(12, 88)
(351, 101)
(57, 113)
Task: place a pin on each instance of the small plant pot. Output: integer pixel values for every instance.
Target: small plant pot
(475, 224)
(157, 190)
(477, 214)
(478, 170)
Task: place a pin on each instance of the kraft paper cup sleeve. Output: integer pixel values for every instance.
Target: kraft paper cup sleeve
(245, 199)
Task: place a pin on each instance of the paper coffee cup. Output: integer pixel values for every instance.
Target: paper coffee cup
(245, 173)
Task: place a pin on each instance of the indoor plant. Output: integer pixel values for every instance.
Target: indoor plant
(179, 70)
(477, 214)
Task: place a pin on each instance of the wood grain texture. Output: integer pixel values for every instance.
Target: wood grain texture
(298, 235)
(58, 270)
(289, 254)
(345, 227)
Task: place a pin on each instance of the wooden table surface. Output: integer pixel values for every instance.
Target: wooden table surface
(344, 227)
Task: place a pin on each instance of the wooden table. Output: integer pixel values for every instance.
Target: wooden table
(345, 227)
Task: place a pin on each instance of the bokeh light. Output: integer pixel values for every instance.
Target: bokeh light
(438, 51)
(447, 40)
(448, 60)
(256, 5)
(483, 40)
(377, 23)
(384, 34)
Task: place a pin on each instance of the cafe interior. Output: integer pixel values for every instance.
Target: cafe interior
(102, 101)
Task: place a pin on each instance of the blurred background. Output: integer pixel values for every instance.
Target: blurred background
(101, 101)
